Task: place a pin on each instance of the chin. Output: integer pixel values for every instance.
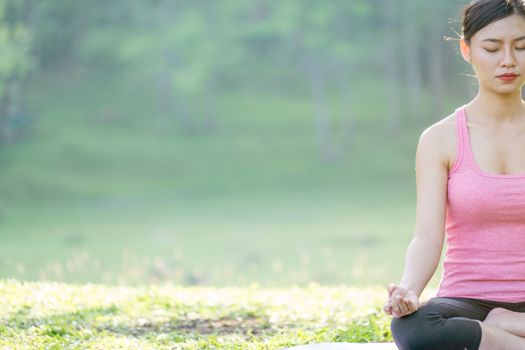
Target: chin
(507, 92)
(508, 89)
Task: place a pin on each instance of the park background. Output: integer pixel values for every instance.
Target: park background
(218, 143)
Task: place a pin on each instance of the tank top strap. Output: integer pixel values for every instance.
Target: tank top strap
(463, 153)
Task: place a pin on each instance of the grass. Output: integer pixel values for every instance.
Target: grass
(92, 316)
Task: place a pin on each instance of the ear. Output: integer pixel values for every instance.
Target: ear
(465, 49)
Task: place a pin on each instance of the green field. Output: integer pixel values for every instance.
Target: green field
(105, 190)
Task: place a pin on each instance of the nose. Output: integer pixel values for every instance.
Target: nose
(508, 58)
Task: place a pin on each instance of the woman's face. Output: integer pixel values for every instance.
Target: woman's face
(496, 49)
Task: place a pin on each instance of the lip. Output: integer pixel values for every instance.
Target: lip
(508, 76)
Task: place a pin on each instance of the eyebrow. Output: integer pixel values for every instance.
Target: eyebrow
(499, 41)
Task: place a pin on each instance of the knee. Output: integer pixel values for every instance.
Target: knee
(410, 333)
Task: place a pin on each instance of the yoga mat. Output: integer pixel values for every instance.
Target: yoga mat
(345, 346)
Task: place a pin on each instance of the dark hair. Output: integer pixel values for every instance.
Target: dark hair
(480, 13)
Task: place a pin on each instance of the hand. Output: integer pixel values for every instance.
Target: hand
(401, 301)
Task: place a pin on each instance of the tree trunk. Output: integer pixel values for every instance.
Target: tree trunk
(413, 66)
(436, 70)
(210, 112)
(342, 75)
(391, 66)
(8, 106)
(163, 87)
(209, 122)
(163, 100)
(317, 80)
(4, 107)
(170, 103)
(182, 111)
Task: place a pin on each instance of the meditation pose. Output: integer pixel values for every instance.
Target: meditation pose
(470, 180)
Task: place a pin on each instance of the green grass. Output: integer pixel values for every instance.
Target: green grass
(92, 316)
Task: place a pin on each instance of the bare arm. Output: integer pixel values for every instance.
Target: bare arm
(424, 251)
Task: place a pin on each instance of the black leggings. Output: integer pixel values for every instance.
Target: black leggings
(446, 323)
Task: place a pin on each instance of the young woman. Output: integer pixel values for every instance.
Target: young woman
(470, 179)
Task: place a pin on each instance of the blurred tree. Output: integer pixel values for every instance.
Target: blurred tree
(391, 23)
(183, 46)
(324, 40)
(318, 36)
(61, 26)
(191, 47)
(434, 11)
(192, 50)
(15, 63)
(412, 31)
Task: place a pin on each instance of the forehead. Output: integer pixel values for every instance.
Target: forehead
(506, 28)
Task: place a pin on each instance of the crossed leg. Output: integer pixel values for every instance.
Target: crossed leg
(503, 330)
(507, 320)
(453, 323)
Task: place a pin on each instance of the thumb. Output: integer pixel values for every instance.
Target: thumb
(409, 303)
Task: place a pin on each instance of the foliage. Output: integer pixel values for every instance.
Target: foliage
(15, 43)
(16, 61)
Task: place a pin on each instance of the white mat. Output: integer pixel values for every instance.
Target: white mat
(345, 346)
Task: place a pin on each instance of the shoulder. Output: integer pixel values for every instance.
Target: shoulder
(439, 141)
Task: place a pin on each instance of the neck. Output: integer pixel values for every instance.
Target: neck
(493, 107)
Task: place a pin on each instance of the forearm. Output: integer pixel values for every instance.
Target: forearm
(421, 260)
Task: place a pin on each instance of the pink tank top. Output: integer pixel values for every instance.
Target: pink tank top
(485, 229)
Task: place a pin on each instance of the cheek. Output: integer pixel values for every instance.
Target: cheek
(483, 68)
(520, 56)
(485, 63)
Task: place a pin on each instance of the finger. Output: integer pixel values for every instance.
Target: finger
(402, 306)
(395, 307)
(410, 304)
(391, 288)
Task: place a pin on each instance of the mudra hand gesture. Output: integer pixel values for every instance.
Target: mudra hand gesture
(401, 301)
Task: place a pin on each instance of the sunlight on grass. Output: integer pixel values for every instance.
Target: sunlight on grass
(47, 315)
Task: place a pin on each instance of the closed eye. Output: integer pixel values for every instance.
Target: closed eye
(494, 50)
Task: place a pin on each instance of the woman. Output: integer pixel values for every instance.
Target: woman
(470, 178)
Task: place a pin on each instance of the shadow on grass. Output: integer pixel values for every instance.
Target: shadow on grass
(202, 326)
(102, 320)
